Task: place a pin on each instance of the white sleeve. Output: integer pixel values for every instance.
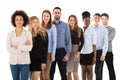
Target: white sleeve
(105, 44)
(8, 44)
(24, 47)
(94, 38)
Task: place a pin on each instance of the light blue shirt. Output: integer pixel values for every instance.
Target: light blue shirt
(89, 40)
(52, 36)
(102, 38)
(63, 36)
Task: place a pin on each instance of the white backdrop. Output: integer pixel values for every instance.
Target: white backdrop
(35, 7)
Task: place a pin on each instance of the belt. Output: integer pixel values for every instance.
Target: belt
(60, 48)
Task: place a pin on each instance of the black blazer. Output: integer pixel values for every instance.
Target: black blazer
(40, 48)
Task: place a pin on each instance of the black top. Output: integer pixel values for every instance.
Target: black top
(40, 48)
(77, 40)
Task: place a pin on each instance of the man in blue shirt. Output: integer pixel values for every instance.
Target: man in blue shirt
(101, 46)
(63, 45)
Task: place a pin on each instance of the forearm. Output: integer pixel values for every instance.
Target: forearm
(94, 50)
(12, 50)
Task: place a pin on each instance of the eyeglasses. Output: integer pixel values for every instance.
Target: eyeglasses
(57, 12)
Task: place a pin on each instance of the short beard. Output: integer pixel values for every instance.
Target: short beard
(57, 18)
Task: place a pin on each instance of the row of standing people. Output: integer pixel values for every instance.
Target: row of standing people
(61, 43)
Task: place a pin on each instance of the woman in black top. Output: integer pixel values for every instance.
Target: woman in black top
(77, 44)
(38, 54)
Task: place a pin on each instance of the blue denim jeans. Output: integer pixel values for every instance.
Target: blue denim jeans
(20, 71)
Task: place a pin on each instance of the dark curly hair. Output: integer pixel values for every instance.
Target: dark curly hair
(85, 14)
(20, 13)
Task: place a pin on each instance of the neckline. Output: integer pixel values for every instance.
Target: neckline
(20, 35)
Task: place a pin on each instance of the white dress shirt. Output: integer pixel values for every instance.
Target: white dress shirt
(89, 41)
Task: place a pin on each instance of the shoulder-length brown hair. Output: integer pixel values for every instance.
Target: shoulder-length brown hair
(49, 25)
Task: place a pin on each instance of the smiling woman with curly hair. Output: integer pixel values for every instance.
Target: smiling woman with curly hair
(19, 43)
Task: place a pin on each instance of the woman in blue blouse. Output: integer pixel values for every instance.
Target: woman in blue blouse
(52, 36)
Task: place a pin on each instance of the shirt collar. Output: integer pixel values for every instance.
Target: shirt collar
(58, 22)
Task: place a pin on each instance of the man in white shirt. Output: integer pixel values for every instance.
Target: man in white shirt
(101, 46)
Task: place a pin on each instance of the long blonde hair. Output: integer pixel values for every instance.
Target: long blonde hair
(40, 29)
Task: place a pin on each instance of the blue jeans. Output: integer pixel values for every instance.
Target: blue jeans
(20, 71)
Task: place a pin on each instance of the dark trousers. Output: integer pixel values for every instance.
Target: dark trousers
(98, 65)
(109, 62)
(60, 53)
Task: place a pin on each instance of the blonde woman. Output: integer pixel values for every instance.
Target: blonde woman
(77, 44)
(38, 54)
